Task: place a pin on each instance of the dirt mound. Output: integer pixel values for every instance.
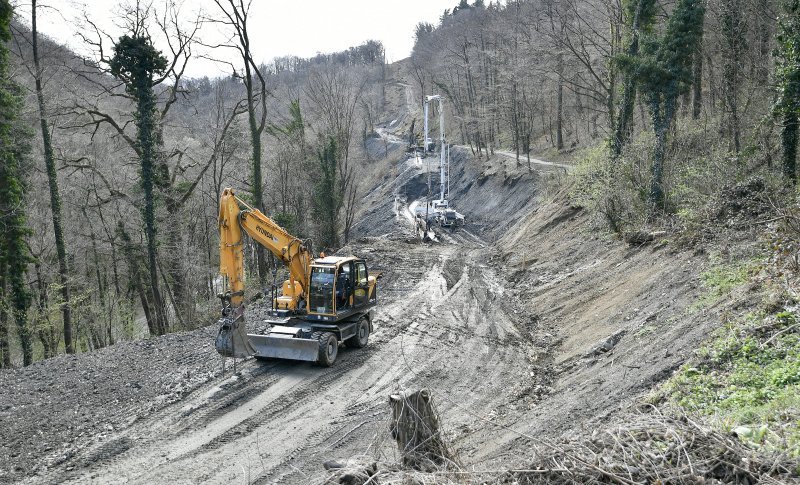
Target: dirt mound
(747, 200)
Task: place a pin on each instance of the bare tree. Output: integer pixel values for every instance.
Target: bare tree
(334, 95)
(235, 13)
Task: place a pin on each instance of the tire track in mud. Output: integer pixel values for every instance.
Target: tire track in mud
(443, 324)
(194, 413)
(172, 421)
(431, 373)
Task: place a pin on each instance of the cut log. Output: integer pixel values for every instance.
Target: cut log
(415, 428)
(353, 472)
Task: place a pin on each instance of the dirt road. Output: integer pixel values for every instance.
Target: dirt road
(441, 327)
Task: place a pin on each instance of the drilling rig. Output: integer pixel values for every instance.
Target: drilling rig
(438, 211)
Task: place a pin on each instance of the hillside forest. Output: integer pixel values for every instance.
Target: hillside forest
(112, 165)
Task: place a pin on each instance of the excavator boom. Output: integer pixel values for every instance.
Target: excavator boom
(234, 216)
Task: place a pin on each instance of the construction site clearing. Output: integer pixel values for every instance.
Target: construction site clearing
(524, 325)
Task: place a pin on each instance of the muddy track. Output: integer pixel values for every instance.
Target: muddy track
(444, 323)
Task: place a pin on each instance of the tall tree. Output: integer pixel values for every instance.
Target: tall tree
(665, 72)
(290, 158)
(14, 254)
(640, 16)
(334, 95)
(52, 179)
(734, 44)
(326, 197)
(137, 63)
(128, 63)
(788, 82)
(236, 13)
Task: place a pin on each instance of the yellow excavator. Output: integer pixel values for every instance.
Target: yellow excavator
(325, 301)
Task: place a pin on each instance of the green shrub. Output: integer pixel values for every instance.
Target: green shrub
(748, 381)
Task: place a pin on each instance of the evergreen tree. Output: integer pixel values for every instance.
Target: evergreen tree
(664, 72)
(326, 199)
(788, 83)
(14, 254)
(136, 62)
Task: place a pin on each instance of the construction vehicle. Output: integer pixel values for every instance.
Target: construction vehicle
(325, 301)
(438, 211)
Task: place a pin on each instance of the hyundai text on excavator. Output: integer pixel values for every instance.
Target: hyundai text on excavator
(324, 302)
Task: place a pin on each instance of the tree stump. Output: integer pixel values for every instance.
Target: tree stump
(415, 428)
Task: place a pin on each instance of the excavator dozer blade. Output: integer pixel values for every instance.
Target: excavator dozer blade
(232, 338)
(285, 347)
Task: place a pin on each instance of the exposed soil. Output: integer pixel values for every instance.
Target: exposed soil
(525, 322)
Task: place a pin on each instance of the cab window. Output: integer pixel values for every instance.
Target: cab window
(361, 273)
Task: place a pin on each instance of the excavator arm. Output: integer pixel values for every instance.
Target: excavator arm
(234, 217)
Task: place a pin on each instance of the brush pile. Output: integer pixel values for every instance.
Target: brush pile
(654, 449)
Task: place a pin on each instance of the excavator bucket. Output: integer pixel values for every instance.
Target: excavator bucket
(232, 338)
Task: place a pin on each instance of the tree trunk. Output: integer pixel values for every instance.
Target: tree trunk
(415, 428)
(643, 16)
(697, 84)
(789, 142)
(176, 269)
(4, 333)
(258, 189)
(560, 116)
(55, 197)
(135, 277)
(44, 330)
(102, 290)
(662, 119)
(733, 32)
(146, 137)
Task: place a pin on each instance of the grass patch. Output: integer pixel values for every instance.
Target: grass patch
(747, 380)
(720, 280)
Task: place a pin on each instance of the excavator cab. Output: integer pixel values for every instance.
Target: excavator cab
(339, 287)
(322, 290)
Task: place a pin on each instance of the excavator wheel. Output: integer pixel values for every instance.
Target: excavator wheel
(328, 348)
(360, 339)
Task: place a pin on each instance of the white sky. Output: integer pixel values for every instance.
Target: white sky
(284, 27)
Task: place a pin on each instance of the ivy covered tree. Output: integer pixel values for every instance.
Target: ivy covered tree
(52, 180)
(788, 83)
(326, 199)
(639, 17)
(137, 63)
(14, 253)
(663, 73)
